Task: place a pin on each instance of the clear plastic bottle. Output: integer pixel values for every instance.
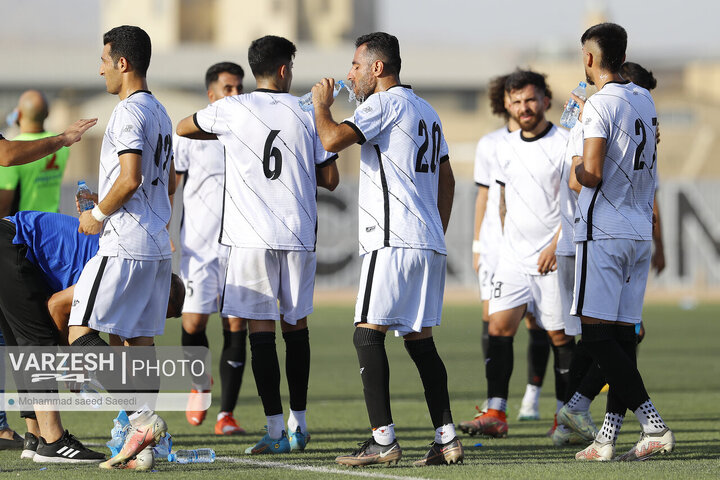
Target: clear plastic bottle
(121, 424)
(306, 103)
(164, 446)
(201, 455)
(85, 203)
(572, 110)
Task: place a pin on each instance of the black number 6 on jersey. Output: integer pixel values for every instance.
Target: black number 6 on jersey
(272, 152)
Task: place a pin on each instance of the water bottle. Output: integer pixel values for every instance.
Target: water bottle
(201, 455)
(85, 203)
(164, 447)
(572, 110)
(306, 103)
(121, 425)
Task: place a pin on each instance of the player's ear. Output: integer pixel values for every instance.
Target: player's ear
(123, 65)
(378, 67)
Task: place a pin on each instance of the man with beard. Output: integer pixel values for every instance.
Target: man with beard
(529, 170)
(406, 194)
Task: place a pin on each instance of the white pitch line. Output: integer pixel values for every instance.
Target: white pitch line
(309, 468)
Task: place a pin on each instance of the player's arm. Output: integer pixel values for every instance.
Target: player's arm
(189, 128)
(334, 136)
(328, 177)
(658, 259)
(127, 183)
(59, 305)
(547, 261)
(572, 178)
(6, 201)
(589, 167)
(502, 210)
(19, 152)
(480, 206)
(446, 193)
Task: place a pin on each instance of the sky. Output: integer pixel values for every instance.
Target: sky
(659, 28)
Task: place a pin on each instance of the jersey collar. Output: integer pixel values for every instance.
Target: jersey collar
(401, 85)
(267, 90)
(138, 91)
(538, 136)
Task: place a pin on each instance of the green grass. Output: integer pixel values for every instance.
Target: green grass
(679, 360)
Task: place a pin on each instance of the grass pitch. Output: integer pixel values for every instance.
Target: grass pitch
(679, 360)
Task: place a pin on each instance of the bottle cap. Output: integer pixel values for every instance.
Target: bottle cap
(583, 84)
(171, 457)
(81, 182)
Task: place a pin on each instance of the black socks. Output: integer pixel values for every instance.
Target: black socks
(232, 366)
(499, 366)
(434, 378)
(375, 374)
(562, 359)
(266, 371)
(297, 366)
(537, 356)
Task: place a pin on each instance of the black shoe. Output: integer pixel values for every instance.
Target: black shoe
(443, 454)
(14, 443)
(370, 453)
(30, 446)
(66, 450)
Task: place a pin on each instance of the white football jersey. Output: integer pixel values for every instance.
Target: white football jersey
(402, 149)
(202, 162)
(272, 150)
(621, 205)
(568, 197)
(485, 175)
(137, 230)
(531, 170)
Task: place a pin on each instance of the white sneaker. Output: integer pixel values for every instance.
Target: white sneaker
(529, 411)
(597, 452)
(649, 445)
(580, 422)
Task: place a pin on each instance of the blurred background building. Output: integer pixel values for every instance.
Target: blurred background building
(60, 55)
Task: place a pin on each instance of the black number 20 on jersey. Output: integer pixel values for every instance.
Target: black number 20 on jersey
(421, 165)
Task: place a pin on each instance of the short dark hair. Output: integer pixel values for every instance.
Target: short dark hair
(612, 41)
(522, 78)
(130, 42)
(269, 53)
(214, 72)
(638, 75)
(496, 94)
(385, 47)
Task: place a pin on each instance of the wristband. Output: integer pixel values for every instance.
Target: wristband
(97, 214)
(476, 246)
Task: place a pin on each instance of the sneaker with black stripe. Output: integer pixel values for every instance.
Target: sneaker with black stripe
(67, 449)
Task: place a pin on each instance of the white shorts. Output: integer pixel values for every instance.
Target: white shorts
(204, 277)
(513, 288)
(566, 284)
(402, 288)
(485, 279)
(258, 279)
(124, 297)
(610, 279)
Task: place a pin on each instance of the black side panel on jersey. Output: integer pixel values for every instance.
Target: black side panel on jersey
(590, 211)
(583, 276)
(368, 287)
(386, 197)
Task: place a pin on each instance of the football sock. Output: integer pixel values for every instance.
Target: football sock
(445, 433)
(232, 367)
(194, 339)
(297, 366)
(593, 382)
(267, 372)
(618, 368)
(562, 359)
(537, 356)
(499, 366)
(485, 338)
(385, 434)
(649, 418)
(579, 403)
(275, 424)
(434, 378)
(558, 404)
(89, 340)
(295, 420)
(497, 403)
(532, 395)
(375, 375)
(610, 428)
(579, 367)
